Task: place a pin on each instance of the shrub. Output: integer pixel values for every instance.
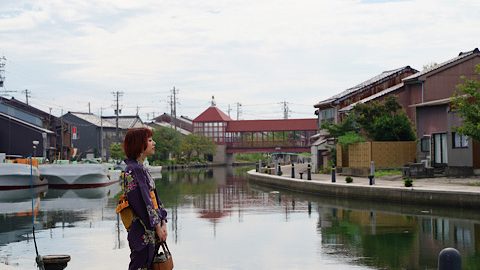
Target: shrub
(408, 182)
(348, 179)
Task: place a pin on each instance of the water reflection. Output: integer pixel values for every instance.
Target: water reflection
(216, 213)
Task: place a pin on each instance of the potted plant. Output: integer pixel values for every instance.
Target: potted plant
(408, 182)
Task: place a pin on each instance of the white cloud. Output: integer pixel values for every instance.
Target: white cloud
(245, 51)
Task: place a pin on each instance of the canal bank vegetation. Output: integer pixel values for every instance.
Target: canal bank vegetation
(374, 121)
(173, 148)
(365, 125)
(466, 103)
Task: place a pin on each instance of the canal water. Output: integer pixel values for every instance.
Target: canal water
(219, 220)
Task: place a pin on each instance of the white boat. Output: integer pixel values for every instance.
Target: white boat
(19, 176)
(155, 171)
(76, 175)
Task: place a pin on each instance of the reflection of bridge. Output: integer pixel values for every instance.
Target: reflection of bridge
(247, 136)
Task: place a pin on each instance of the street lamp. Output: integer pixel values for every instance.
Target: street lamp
(35, 143)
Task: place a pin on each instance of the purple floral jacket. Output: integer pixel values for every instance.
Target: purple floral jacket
(139, 184)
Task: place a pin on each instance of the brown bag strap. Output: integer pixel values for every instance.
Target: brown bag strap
(166, 251)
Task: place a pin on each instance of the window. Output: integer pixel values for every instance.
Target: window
(425, 144)
(459, 140)
(327, 115)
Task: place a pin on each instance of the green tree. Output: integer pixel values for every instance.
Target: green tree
(167, 141)
(116, 151)
(194, 145)
(466, 103)
(337, 130)
(384, 121)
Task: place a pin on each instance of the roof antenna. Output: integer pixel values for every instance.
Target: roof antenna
(213, 101)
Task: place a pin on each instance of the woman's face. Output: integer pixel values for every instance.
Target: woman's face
(150, 150)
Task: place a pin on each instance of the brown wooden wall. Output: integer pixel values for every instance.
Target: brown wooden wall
(384, 154)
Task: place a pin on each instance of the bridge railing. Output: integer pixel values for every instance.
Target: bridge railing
(267, 144)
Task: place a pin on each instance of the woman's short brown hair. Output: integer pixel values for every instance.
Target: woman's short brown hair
(136, 141)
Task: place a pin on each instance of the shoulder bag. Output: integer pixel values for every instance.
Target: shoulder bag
(163, 260)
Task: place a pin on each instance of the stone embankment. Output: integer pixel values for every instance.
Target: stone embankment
(450, 192)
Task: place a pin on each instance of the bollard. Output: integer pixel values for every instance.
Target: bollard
(449, 259)
(372, 172)
(293, 170)
(279, 170)
(371, 180)
(333, 175)
(309, 172)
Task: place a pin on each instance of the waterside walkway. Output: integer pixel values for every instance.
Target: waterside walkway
(441, 191)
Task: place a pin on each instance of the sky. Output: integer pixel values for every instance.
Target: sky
(261, 54)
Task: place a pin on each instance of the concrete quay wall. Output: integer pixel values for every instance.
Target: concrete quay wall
(402, 195)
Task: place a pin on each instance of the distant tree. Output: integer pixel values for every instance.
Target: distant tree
(429, 66)
(349, 138)
(116, 151)
(466, 103)
(194, 145)
(167, 142)
(384, 121)
(340, 129)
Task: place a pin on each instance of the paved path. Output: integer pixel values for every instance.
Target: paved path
(470, 184)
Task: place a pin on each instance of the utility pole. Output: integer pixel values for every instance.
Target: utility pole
(61, 135)
(174, 106)
(89, 108)
(2, 70)
(117, 95)
(2, 78)
(229, 109)
(285, 109)
(138, 109)
(239, 110)
(27, 94)
(101, 133)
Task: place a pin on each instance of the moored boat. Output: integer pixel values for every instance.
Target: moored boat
(19, 176)
(155, 171)
(76, 175)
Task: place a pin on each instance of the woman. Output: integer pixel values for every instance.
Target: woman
(148, 228)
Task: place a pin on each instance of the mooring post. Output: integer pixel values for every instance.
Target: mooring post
(449, 259)
(293, 170)
(309, 172)
(371, 177)
(334, 174)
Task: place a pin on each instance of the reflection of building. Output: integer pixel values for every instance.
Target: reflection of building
(232, 195)
(438, 233)
(396, 241)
